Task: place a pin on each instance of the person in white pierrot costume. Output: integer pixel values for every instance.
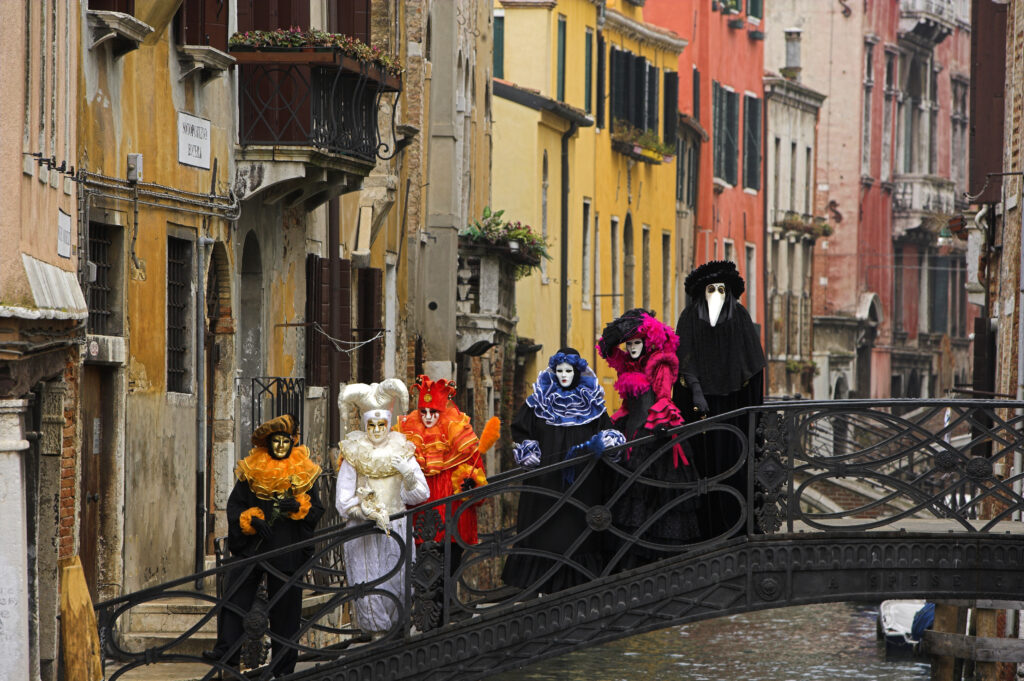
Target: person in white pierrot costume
(378, 476)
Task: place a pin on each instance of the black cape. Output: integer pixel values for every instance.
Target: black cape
(568, 522)
(728, 361)
(285, 530)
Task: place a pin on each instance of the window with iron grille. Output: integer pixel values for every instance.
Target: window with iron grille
(105, 290)
(179, 278)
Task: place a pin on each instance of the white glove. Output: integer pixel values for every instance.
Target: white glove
(355, 514)
(406, 465)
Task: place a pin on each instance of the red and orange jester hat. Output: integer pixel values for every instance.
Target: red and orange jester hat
(451, 441)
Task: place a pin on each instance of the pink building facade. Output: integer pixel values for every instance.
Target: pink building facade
(891, 316)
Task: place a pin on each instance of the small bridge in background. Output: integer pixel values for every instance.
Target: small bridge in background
(942, 521)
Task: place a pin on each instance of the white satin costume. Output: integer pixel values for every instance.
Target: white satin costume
(369, 557)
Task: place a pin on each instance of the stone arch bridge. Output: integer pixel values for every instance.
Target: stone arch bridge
(943, 521)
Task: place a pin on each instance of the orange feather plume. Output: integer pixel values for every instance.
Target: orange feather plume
(490, 434)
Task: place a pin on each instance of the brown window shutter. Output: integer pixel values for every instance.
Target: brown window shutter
(342, 300)
(370, 282)
(351, 17)
(203, 22)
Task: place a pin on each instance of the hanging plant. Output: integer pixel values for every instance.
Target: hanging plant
(524, 244)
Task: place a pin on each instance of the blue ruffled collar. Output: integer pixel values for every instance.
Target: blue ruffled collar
(573, 407)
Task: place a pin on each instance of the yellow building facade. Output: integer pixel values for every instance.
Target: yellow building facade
(579, 126)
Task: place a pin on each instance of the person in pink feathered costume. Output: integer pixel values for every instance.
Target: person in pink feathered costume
(642, 350)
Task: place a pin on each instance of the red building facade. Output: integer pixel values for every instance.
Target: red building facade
(721, 94)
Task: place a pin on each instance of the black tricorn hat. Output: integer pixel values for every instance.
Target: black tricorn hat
(710, 272)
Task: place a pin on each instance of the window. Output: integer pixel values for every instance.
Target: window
(588, 76)
(960, 89)
(671, 112)
(792, 176)
(808, 180)
(596, 267)
(752, 281)
(179, 293)
(869, 82)
(776, 177)
(105, 290)
(887, 114)
(585, 278)
(560, 85)
(755, 9)
(645, 285)
(125, 6)
(544, 215)
(628, 265)
(686, 171)
(634, 90)
(725, 114)
(751, 142)
(499, 44)
(696, 93)
(203, 22)
(600, 79)
(616, 289)
(667, 313)
(728, 250)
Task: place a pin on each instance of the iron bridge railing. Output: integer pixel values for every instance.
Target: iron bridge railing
(774, 469)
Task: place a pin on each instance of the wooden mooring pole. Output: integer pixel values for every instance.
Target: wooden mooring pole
(983, 651)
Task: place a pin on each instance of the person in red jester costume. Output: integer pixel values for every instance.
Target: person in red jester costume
(449, 453)
(647, 369)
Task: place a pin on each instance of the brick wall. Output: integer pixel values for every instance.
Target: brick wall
(69, 457)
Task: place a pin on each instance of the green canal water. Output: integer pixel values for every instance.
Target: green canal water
(825, 642)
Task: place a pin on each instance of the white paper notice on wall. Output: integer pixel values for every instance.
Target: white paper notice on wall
(193, 141)
(63, 234)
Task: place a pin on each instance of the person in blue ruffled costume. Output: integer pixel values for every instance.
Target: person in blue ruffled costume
(564, 417)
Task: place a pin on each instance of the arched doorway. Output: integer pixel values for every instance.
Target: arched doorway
(250, 327)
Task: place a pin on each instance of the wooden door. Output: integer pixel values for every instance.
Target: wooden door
(97, 431)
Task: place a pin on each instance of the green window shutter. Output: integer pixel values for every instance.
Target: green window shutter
(732, 128)
(652, 98)
(671, 107)
(755, 8)
(499, 47)
(560, 86)
(751, 142)
(588, 76)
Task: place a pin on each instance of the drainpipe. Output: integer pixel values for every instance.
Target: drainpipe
(200, 364)
(563, 324)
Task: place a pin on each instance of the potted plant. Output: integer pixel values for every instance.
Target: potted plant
(295, 38)
(524, 246)
(643, 145)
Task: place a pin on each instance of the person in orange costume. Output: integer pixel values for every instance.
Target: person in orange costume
(448, 451)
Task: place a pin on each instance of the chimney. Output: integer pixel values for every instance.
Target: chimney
(792, 68)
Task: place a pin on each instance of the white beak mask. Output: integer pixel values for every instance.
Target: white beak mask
(715, 295)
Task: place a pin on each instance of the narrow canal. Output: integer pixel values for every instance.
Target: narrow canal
(826, 642)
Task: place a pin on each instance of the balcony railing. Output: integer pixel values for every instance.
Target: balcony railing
(918, 197)
(314, 98)
(933, 20)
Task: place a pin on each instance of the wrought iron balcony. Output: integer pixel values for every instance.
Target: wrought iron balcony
(917, 198)
(316, 98)
(932, 20)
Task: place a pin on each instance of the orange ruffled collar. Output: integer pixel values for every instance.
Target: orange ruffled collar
(450, 443)
(268, 477)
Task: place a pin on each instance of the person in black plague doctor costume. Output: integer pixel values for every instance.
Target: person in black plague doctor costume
(721, 368)
(564, 417)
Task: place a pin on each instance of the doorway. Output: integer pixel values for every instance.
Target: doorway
(98, 439)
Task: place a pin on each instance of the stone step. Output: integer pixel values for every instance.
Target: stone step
(140, 641)
(170, 615)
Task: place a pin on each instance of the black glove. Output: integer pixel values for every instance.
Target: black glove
(262, 528)
(468, 484)
(288, 505)
(700, 405)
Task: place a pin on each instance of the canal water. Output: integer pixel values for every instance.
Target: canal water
(825, 642)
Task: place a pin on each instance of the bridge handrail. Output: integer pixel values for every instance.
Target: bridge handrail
(781, 452)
